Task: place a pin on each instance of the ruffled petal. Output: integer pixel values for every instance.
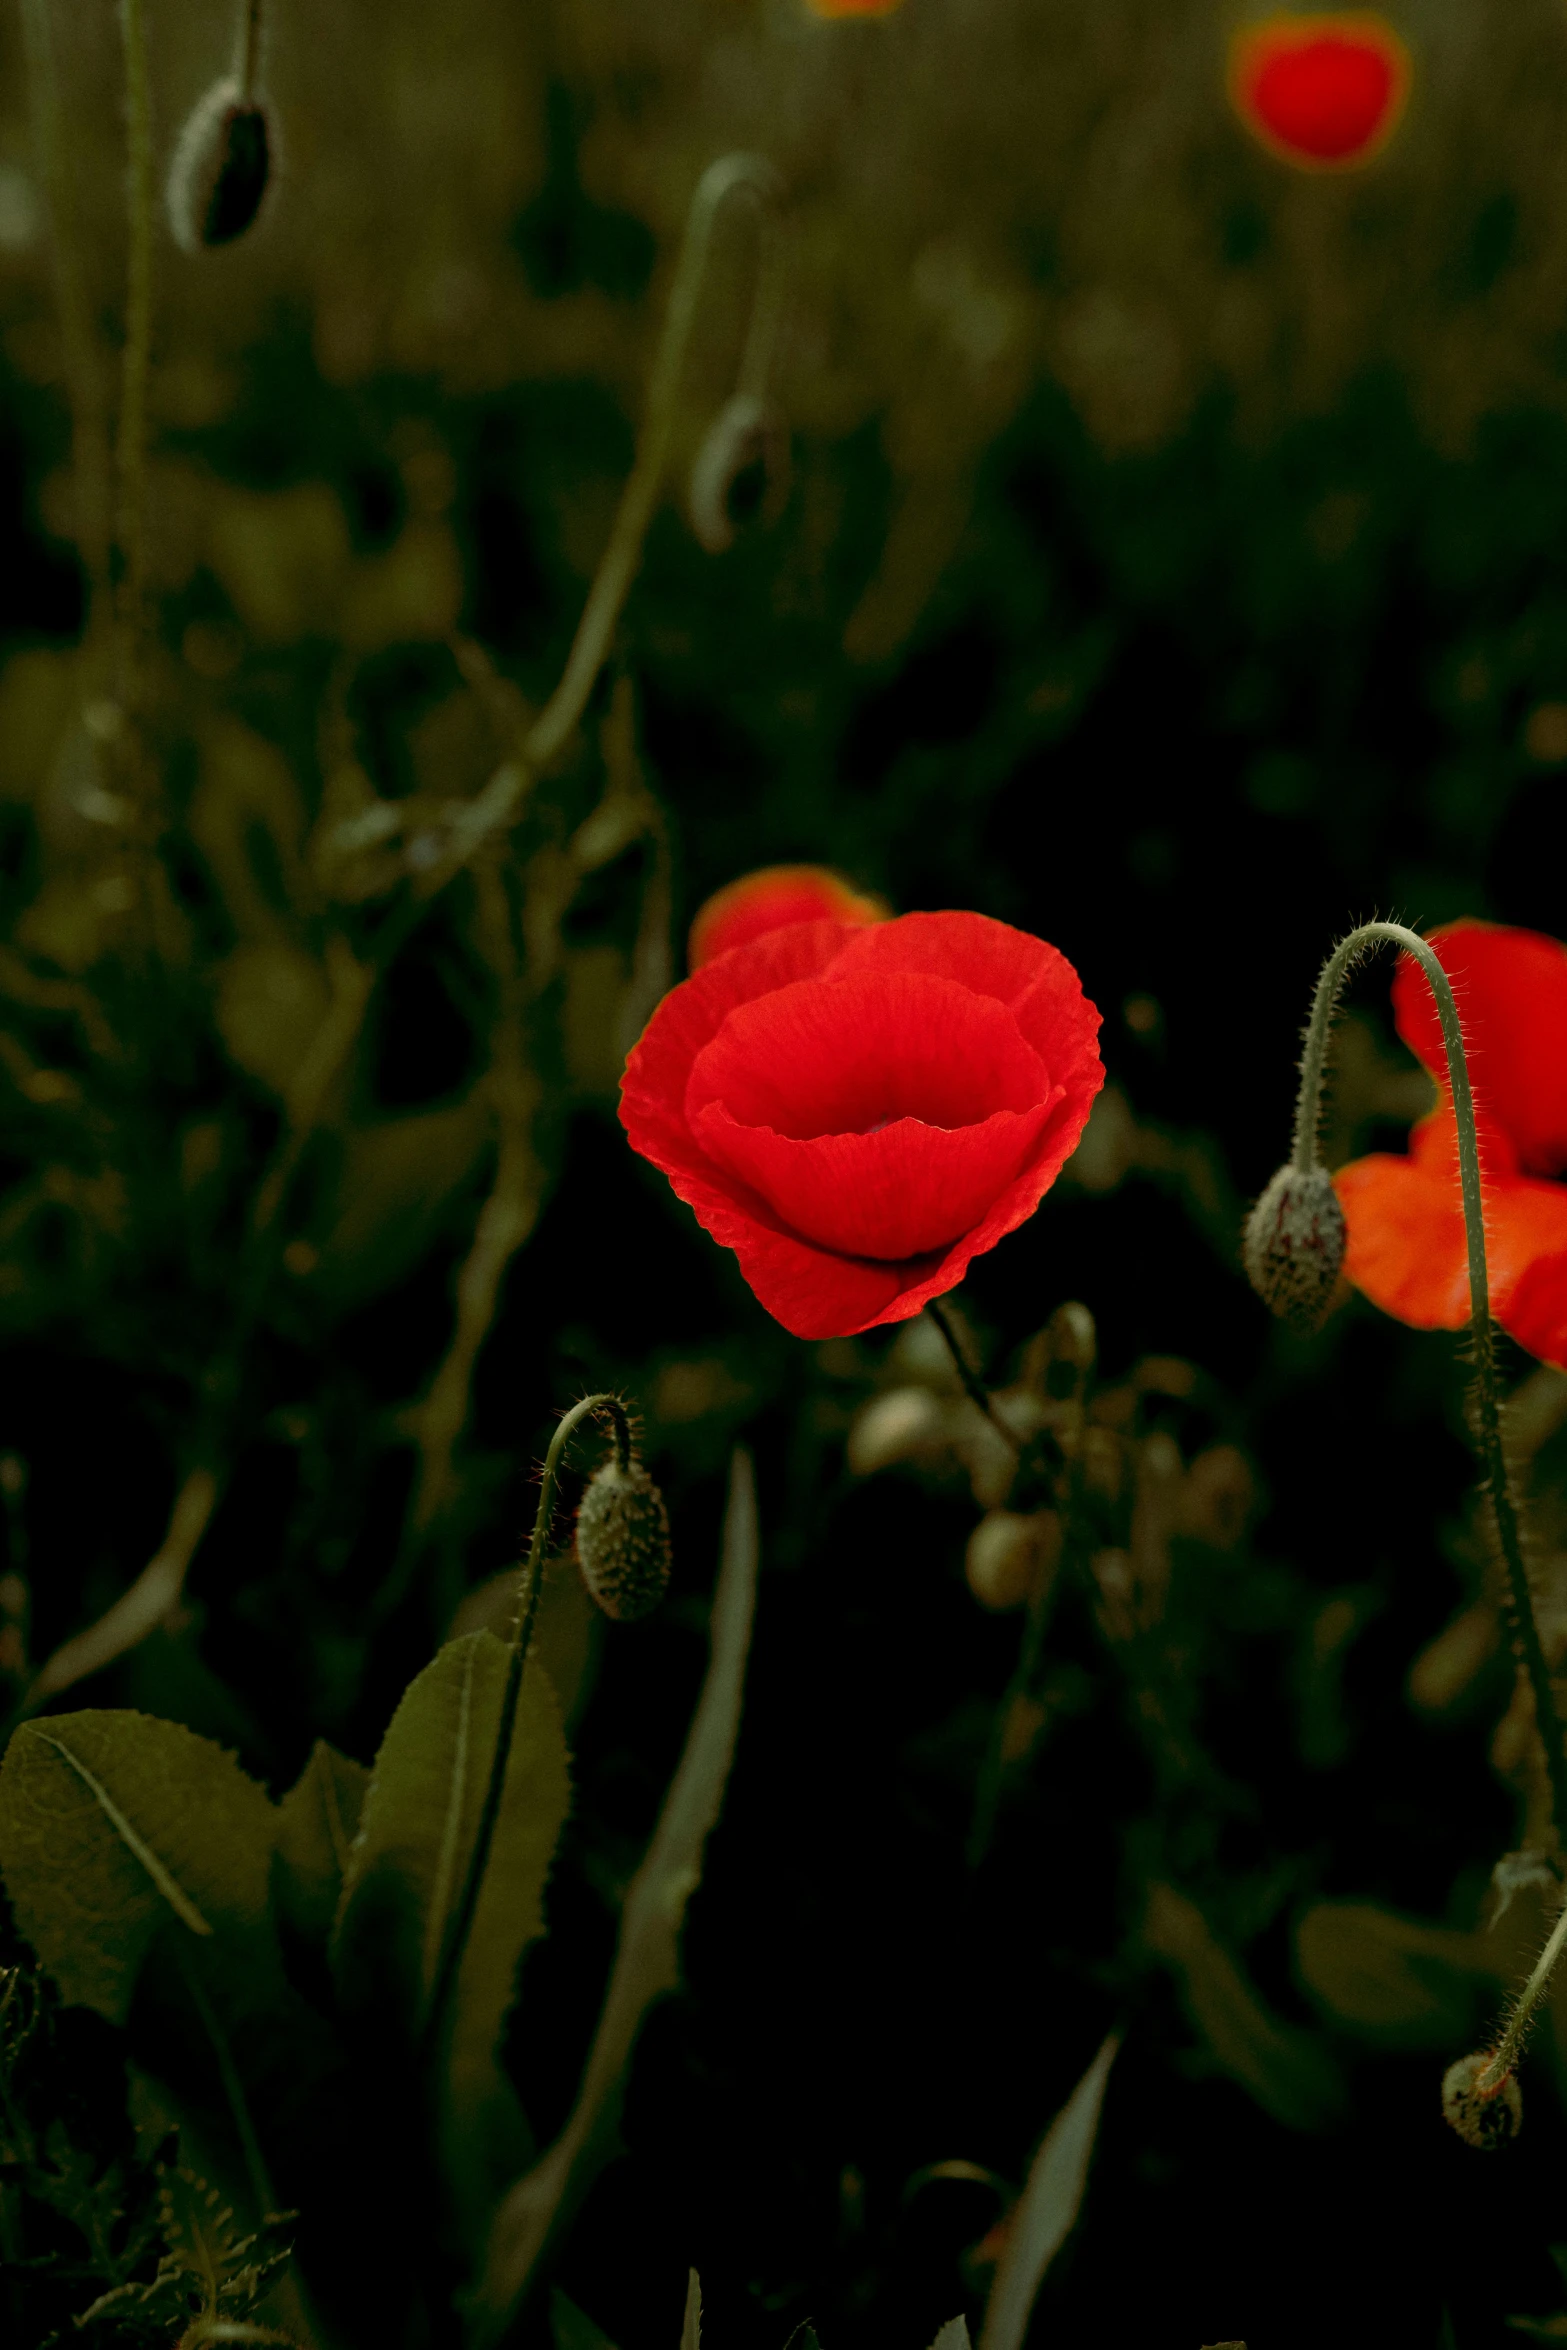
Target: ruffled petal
(1511, 990)
(849, 1054)
(898, 1193)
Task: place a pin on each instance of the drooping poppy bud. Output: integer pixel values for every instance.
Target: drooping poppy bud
(623, 1540)
(770, 898)
(1294, 1246)
(741, 473)
(1482, 2117)
(221, 168)
(1322, 92)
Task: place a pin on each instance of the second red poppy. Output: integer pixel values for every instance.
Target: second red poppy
(1325, 93)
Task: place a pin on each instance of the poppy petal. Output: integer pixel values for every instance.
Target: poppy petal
(849, 1054)
(898, 1193)
(1511, 990)
(770, 899)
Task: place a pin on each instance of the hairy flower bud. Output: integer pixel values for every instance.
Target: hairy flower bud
(221, 168)
(741, 473)
(623, 1540)
(1482, 2117)
(1294, 1246)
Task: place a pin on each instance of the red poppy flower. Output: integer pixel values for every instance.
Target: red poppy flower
(769, 898)
(1325, 92)
(1404, 1215)
(859, 1110)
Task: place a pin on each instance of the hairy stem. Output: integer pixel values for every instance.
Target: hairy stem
(521, 1636)
(1523, 1621)
(1506, 2057)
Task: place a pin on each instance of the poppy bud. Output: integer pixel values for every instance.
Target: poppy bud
(1482, 2117)
(623, 1540)
(741, 472)
(1294, 1246)
(221, 168)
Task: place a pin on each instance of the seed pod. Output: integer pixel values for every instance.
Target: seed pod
(221, 168)
(623, 1541)
(1294, 1246)
(741, 472)
(1482, 2117)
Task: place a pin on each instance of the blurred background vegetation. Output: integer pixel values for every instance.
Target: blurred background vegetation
(1174, 564)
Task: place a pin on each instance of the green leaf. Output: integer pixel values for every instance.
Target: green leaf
(571, 2328)
(1046, 2210)
(318, 1820)
(114, 1824)
(1392, 1979)
(406, 1875)
(1289, 2073)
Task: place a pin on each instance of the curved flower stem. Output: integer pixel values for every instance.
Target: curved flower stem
(497, 804)
(247, 69)
(520, 1637)
(1506, 2056)
(1493, 1461)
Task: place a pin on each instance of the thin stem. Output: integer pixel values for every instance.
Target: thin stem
(497, 804)
(89, 420)
(1527, 1644)
(131, 449)
(1501, 2064)
(247, 67)
(521, 1636)
(973, 1386)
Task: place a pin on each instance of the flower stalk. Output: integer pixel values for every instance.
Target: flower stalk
(1305, 1163)
(1501, 2063)
(518, 1643)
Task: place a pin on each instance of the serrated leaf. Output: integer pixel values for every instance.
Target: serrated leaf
(406, 1877)
(114, 1824)
(318, 1820)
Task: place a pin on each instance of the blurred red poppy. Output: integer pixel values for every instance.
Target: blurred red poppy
(767, 899)
(1324, 92)
(1406, 1226)
(857, 1111)
(854, 7)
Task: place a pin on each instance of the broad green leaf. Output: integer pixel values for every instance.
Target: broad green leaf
(395, 1184)
(406, 1876)
(114, 1824)
(1290, 2074)
(318, 1820)
(1046, 2210)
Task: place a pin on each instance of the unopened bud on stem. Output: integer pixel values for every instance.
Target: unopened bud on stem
(1294, 1246)
(1483, 2112)
(623, 1537)
(221, 168)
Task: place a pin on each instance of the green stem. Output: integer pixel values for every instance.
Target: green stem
(1525, 1628)
(521, 1635)
(131, 449)
(1506, 2057)
(247, 68)
(974, 1387)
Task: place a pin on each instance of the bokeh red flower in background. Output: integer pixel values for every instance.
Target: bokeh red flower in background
(1323, 92)
(859, 1110)
(1406, 1229)
(853, 7)
(768, 899)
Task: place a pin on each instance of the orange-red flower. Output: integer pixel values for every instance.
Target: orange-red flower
(854, 7)
(769, 898)
(1323, 92)
(1406, 1227)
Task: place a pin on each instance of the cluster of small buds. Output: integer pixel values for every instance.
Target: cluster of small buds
(623, 1538)
(1485, 2113)
(1294, 1246)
